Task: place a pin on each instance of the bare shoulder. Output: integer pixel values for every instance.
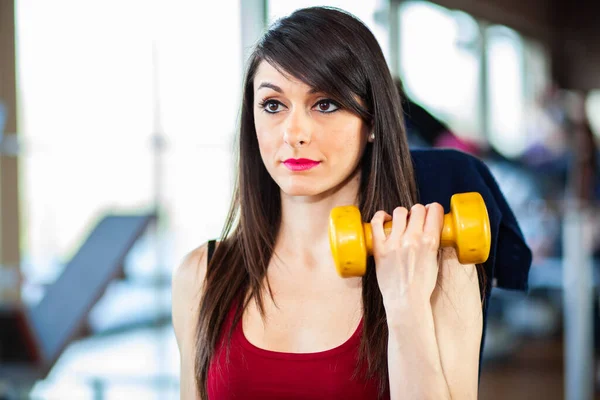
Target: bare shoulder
(186, 289)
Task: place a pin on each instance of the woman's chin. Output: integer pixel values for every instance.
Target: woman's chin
(300, 191)
(301, 187)
(316, 188)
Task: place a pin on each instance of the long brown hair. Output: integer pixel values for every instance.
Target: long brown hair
(335, 53)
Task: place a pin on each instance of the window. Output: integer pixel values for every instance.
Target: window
(440, 64)
(442, 56)
(518, 75)
(97, 81)
(592, 107)
(506, 94)
(85, 94)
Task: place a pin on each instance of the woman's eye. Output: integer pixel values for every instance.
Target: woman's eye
(327, 106)
(271, 106)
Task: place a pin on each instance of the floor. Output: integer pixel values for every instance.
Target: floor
(533, 372)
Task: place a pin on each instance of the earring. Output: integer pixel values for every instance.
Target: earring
(372, 136)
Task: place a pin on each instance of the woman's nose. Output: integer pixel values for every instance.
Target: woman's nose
(297, 129)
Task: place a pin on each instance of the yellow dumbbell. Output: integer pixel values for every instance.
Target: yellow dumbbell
(466, 228)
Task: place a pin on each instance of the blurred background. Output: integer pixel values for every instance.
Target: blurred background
(116, 128)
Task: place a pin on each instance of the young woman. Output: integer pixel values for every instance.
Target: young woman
(263, 314)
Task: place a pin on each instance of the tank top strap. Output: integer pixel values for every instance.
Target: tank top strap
(211, 250)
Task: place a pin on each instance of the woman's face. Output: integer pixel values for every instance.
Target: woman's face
(308, 144)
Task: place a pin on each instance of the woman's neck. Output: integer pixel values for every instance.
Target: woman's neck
(304, 231)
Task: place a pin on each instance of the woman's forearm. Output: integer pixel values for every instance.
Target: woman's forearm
(415, 369)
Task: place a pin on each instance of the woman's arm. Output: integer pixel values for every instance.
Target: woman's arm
(407, 268)
(187, 283)
(432, 306)
(415, 367)
(433, 350)
(458, 321)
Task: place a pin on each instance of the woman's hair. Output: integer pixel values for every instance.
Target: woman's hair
(335, 53)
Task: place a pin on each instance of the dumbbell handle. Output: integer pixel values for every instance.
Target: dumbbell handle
(466, 228)
(448, 237)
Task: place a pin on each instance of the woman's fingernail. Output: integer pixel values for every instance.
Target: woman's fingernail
(427, 206)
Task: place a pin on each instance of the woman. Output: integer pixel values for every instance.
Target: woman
(268, 317)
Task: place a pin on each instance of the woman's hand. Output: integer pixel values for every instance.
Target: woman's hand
(407, 260)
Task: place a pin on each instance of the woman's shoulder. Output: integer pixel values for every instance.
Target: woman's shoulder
(186, 291)
(187, 283)
(192, 268)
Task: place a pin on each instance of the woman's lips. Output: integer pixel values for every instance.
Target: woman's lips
(300, 164)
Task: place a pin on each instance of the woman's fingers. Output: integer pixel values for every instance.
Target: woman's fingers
(416, 221)
(407, 261)
(432, 229)
(377, 225)
(421, 226)
(400, 219)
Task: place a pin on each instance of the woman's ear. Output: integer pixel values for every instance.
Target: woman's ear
(371, 137)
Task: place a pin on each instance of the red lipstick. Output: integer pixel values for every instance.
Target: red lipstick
(300, 164)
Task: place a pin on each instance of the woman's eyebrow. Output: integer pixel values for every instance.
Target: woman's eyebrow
(279, 90)
(270, 86)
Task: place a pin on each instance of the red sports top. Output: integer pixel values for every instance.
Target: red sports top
(255, 373)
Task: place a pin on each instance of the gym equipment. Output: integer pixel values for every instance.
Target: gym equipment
(466, 228)
(33, 338)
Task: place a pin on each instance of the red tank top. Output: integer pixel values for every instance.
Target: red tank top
(255, 373)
